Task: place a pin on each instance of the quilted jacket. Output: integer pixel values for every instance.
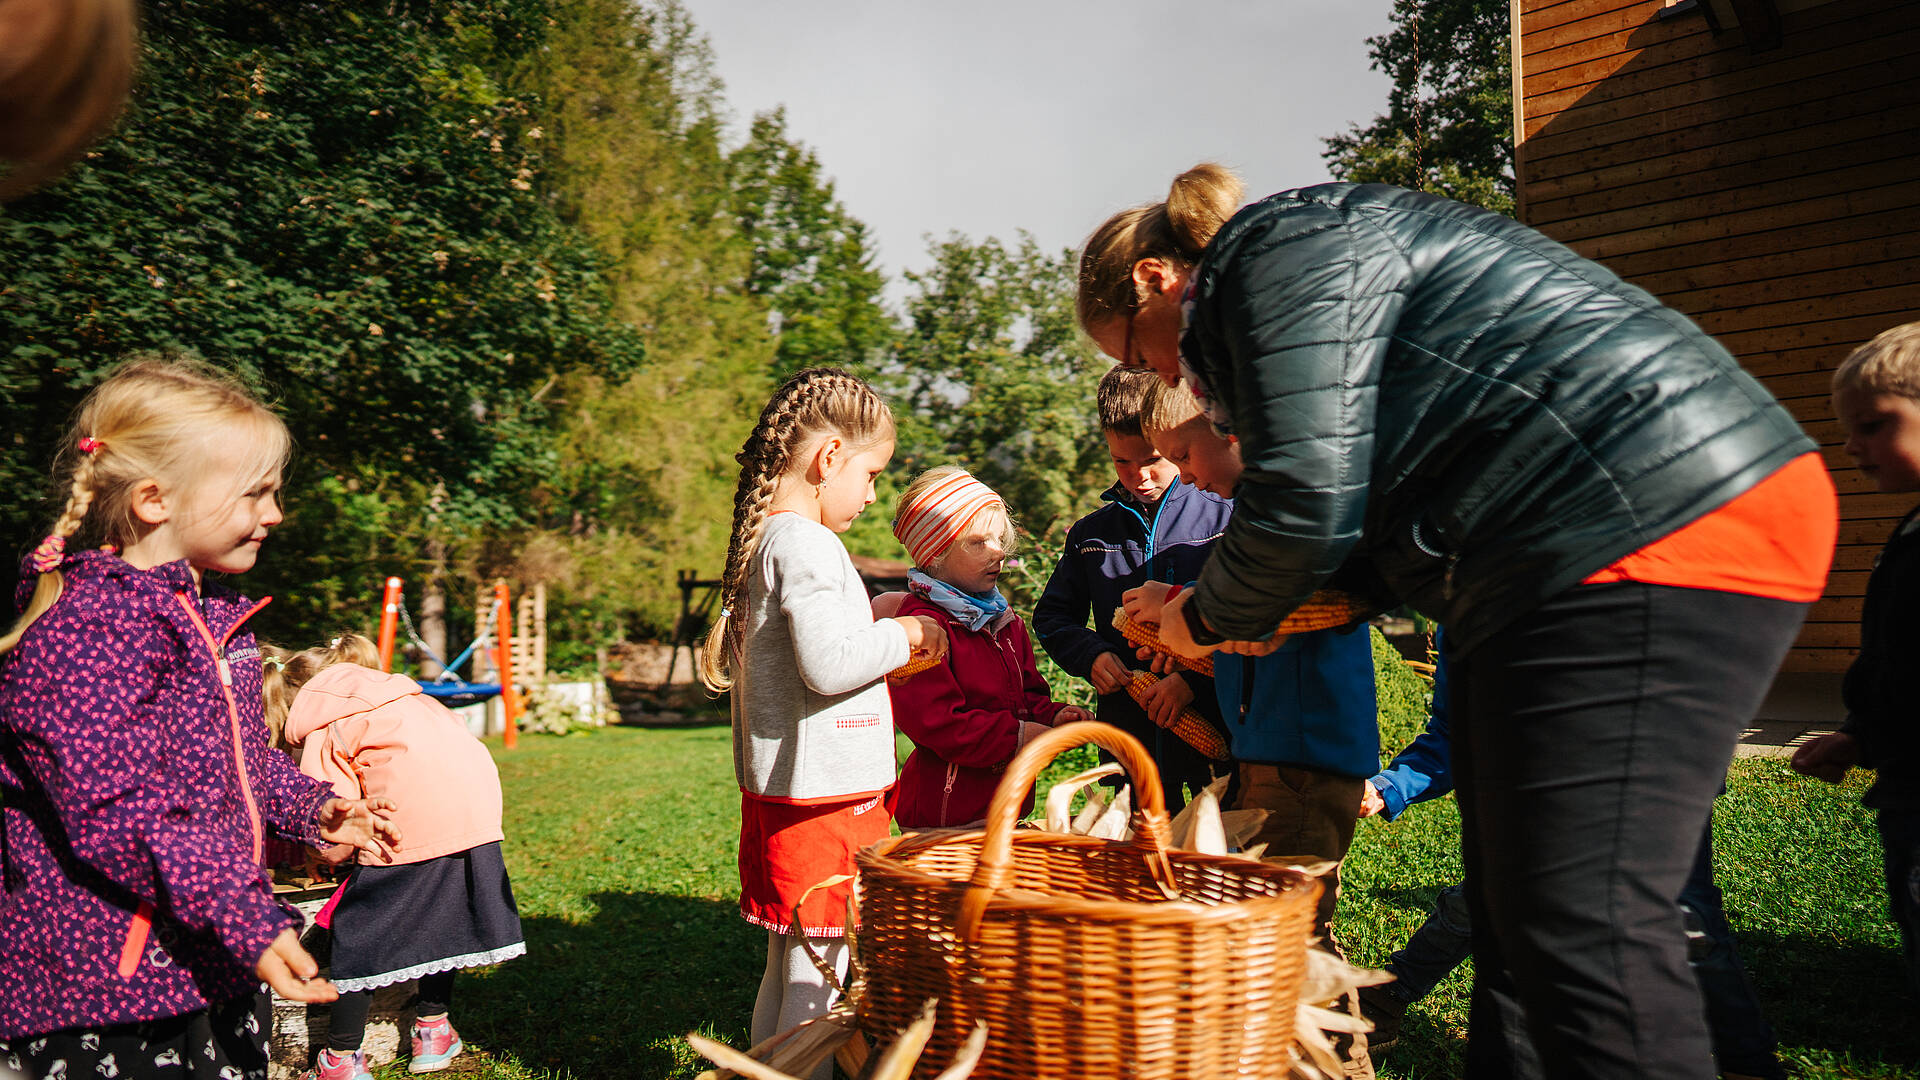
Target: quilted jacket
(138, 785)
(1473, 414)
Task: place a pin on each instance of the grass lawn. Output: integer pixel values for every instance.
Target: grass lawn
(622, 845)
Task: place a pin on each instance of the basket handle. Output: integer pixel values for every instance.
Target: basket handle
(1151, 832)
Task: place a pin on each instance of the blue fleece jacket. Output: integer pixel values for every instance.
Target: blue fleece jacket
(1424, 770)
(1310, 702)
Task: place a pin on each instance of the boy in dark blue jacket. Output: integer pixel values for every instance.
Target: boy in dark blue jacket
(1152, 528)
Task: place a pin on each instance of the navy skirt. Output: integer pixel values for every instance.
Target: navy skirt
(396, 923)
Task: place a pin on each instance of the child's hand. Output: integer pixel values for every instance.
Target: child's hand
(1110, 674)
(1143, 602)
(292, 973)
(1164, 700)
(1174, 635)
(1158, 662)
(1828, 757)
(925, 635)
(1370, 801)
(361, 823)
(1071, 714)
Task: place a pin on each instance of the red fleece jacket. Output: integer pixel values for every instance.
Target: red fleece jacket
(964, 719)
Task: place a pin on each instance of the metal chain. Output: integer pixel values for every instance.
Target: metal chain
(486, 632)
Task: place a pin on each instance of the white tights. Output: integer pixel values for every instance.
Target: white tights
(792, 989)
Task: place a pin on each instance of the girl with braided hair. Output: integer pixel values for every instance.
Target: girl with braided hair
(136, 923)
(798, 645)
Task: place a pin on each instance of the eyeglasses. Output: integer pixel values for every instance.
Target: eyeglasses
(1127, 361)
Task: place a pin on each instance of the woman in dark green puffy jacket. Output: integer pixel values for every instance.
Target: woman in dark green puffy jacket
(1620, 528)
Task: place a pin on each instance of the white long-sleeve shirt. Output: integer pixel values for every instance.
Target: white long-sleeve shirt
(811, 717)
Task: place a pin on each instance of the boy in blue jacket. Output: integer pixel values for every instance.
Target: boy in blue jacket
(1152, 528)
(1302, 722)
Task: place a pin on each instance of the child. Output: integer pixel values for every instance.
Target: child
(442, 902)
(1152, 528)
(968, 716)
(1876, 395)
(136, 924)
(1301, 721)
(800, 649)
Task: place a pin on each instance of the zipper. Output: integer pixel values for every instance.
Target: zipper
(947, 795)
(136, 943)
(218, 648)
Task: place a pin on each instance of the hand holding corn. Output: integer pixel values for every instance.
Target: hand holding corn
(928, 640)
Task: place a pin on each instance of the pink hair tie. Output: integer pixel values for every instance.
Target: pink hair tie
(47, 556)
(88, 444)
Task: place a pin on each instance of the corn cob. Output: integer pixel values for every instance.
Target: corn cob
(1143, 634)
(1192, 728)
(1324, 610)
(915, 664)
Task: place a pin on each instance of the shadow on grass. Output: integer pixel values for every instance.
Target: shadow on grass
(1838, 1009)
(613, 997)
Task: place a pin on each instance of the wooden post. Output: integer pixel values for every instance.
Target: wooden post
(389, 622)
(503, 646)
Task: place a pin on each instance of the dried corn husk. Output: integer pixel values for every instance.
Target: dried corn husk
(797, 1053)
(1060, 797)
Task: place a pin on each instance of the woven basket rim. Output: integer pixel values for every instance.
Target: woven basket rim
(1032, 903)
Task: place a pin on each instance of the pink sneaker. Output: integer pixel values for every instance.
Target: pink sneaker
(328, 1065)
(435, 1045)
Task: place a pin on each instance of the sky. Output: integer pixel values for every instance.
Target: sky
(986, 117)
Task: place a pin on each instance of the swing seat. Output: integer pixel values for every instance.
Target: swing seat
(454, 693)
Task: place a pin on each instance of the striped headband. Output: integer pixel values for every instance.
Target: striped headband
(930, 524)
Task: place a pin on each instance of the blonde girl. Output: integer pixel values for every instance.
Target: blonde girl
(443, 902)
(804, 657)
(968, 716)
(137, 924)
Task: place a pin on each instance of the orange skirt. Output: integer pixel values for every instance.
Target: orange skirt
(788, 848)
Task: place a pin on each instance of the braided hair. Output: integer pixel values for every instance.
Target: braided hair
(812, 404)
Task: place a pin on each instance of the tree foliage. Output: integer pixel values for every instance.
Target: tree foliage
(342, 205)
(993, 374)
(1448, 127)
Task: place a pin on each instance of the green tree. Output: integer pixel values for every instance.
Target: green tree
(812, 260)
(991, 373)
(1448, 127)
(343, 204)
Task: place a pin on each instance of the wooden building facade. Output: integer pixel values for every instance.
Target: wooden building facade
(1755, 164)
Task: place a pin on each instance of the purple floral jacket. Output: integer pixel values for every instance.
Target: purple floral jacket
(138, 786)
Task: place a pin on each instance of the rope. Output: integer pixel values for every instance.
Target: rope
(447, 672)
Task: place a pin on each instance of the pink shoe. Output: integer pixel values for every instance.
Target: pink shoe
(435, 1045)
(328, 1065)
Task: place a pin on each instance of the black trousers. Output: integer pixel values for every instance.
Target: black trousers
(1589, 740)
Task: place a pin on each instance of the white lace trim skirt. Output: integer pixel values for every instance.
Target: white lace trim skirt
(397, 923)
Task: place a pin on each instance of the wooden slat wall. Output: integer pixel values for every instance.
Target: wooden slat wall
(1774, 197)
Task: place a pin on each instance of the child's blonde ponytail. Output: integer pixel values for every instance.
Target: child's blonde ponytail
(812, 403)
(284, 673)
(51, 582)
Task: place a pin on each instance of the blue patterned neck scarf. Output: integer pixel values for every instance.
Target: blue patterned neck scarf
(973, 611)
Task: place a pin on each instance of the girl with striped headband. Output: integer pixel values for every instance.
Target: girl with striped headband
(968, 715)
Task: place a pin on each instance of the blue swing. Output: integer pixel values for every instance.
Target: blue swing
(448, 687)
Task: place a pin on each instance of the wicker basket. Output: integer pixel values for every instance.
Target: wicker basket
(1085, 957)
